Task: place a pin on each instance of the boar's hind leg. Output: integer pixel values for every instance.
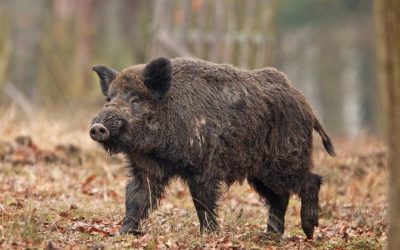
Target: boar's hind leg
(278, 204)
(309, 190)
(142, 195)
(205, 196)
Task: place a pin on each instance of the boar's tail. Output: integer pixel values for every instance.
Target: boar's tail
(325, 138)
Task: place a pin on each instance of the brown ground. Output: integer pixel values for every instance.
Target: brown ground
(58, 189)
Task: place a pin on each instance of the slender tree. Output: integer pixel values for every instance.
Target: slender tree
(388, 20)
(25, 37)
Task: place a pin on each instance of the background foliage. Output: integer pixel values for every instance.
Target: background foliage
(326, 47)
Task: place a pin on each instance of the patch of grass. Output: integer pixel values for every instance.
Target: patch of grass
(26, 226)
(366, 244)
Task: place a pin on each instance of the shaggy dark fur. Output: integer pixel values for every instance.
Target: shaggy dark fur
(211, 125)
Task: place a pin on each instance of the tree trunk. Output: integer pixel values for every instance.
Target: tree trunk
(83, 50)
(388, 20)
(25, 37)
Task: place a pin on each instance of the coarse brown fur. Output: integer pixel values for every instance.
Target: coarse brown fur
(211, 125)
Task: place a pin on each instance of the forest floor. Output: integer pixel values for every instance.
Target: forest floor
(58, 190)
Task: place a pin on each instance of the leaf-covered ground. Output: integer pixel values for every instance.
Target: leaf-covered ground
(60, 190)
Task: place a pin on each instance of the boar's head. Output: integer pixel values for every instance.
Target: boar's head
(133, 99)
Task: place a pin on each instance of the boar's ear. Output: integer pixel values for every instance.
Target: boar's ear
(106, 76)
(157, 76)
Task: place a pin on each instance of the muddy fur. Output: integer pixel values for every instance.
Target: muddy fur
(211, 125)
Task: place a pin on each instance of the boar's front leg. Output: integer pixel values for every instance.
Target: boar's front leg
(142, 195)
(205, 195)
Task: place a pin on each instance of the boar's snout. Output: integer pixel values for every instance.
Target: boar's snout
(99, 132)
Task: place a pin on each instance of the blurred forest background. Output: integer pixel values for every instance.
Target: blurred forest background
(326, 47)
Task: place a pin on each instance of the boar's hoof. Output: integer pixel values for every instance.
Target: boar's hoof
(272, 236)
(129, 227)
(308, 229)
(309, 220)
(275, 226)
(211, 227)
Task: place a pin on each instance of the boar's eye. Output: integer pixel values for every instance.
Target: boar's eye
(134, 99)
(108, 99)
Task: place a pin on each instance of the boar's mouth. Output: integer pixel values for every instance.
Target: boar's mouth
(113, 147)
(111, 134)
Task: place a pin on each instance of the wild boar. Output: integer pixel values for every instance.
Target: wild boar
(210, 125)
